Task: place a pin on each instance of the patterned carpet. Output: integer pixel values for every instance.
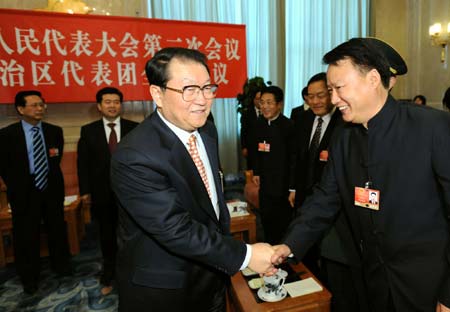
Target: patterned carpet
(78, 293)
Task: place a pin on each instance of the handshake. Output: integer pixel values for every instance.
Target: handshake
(264, 257)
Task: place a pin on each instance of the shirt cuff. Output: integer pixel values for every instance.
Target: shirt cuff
(292, 190)
(247, 257)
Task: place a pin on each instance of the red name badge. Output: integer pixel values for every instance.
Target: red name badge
(53, 152)
(264, 147)
(323, 156)
(367, 198)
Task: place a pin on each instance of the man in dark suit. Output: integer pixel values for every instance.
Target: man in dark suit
(175, 247)
(297, 112)
(310, 160)
(311, 153)
(400, 151)
(30, 167)
(97, 141)
(249, 119)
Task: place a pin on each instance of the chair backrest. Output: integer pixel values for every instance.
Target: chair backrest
(69, 170)
(3, 197)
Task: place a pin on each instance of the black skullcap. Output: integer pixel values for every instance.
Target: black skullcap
(397, 64)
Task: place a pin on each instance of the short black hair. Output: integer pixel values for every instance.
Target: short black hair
(108, 90)
(317, 77)
(364, 55)
(276, 91)
(422, 98)
(446, 99)
(156, 67)
(304, 93)
(20, 97)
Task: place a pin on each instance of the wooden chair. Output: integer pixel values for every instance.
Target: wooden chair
(3, 197)
(75, 217)
(251, 189)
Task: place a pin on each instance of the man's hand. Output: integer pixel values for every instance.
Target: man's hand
(280, 254)
(260, 260)
(291, 199)
(255, 180)
(86, 200)
(442, 308)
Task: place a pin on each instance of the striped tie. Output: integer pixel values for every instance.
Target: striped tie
(40, 160)
(193, 151)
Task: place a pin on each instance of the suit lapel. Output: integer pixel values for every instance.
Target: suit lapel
(212, 151)
(103, 140)
(328, 131)
(182, 162)
(125, 127)
(48, 139)
(21, 146)
(308, 125)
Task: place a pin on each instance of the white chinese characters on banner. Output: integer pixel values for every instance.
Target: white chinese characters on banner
(50, 52)
(12, 73)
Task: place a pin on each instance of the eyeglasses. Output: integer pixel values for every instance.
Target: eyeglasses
(36, 105)
(268, 103)
(320, 96)
(190, 93)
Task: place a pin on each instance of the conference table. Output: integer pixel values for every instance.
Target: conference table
(244, 299)
(244, 227)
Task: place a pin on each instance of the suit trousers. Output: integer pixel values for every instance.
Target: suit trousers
(26, 232)
(340, 283)
(276, 214)
(106, 216)
(137, 298)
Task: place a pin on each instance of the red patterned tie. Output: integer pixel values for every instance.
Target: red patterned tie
(193, 151)
(112, 142)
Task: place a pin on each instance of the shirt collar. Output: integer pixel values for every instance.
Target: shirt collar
(326, 118)
(182, 134)
(115, 121)
(27, 126)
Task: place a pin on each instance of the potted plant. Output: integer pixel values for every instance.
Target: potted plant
(251, 86)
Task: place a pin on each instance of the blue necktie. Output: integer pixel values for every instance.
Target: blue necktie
(40, 160)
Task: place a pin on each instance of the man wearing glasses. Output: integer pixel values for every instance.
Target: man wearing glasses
(175, 249)
(30, 167)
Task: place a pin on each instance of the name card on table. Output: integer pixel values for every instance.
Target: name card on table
(303, 287)
(237, 208)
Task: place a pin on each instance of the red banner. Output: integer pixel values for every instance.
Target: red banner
(70, 57)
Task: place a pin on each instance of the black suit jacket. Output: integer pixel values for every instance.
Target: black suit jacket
(403, 247)
(249, 135)
(15, 169)
(94, 159)
(299, 178)
(169, 235)
(297, 114)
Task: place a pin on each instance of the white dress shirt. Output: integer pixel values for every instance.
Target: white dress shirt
(326, 120)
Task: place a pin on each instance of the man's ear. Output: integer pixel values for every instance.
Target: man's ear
(156, 93)
(374, 77)
(20, 109)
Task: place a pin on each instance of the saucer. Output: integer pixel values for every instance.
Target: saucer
(262, 295)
